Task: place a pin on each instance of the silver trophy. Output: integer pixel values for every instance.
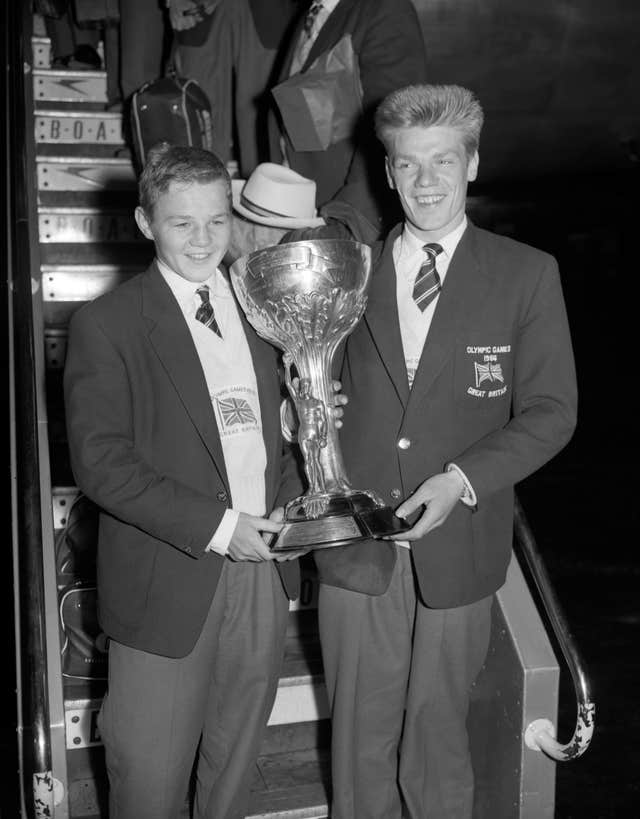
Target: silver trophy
(305, 298)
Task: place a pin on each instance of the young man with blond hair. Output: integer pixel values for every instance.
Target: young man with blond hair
(173, 423)
(461, 383)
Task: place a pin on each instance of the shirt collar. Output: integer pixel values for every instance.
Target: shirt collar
(412, 243)
(184, 290)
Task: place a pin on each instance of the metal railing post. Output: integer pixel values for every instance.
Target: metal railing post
(540, 735)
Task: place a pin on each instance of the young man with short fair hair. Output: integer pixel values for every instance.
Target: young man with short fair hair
(461, 383)
(173, 423)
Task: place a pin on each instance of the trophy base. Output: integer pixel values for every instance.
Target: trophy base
(338, 520)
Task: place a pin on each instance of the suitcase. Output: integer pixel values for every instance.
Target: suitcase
(172, 109)
(76, 544)
(84, 652)
(83, 644)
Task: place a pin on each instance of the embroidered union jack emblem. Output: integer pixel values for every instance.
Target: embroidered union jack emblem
(236, 411)
(488, 372)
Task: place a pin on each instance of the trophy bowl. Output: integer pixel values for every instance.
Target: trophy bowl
(305, 298)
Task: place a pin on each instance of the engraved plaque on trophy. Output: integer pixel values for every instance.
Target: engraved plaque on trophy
(305, 298)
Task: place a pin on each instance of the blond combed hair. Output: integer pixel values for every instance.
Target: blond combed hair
(426, 105)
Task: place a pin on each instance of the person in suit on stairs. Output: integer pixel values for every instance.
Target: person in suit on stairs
(231, 52)
(389, 52)
(462, 374)
(172, 406)
(72, 47)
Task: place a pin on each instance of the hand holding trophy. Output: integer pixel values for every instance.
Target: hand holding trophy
(305, 297)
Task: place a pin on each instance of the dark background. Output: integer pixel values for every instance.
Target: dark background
(560, 168)
(581, 505)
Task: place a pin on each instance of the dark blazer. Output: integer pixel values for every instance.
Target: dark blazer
(387, 40)
(500, 299)
(145, 448)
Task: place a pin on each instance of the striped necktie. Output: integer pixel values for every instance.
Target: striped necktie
(427, 284)
(306, 39)
(310, 19)
(205, 313)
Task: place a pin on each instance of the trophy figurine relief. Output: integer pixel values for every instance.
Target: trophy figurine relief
(305, 298)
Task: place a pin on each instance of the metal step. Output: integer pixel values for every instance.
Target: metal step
(294, 786)
(300, 699)
(78, 128)
(55, 348)
(87, 225)
(64, 289)
(87, 254)
(107, 200)
(69, 86)
(64, 173)
(62, 498)
(87, 150)
(319, 811)
(41, 48)
(285, 785)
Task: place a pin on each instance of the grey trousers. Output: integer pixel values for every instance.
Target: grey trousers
(399, 677)
(158, 709)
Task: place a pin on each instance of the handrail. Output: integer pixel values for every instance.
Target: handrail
(540, 734)
(11, 792)
(36, 755)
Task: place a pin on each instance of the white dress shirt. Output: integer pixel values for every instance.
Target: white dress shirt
(408, 258)
(233, 388)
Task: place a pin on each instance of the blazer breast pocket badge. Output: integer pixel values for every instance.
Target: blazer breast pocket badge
(489, 371)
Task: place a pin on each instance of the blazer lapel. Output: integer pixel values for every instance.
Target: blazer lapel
(381, 316)
(465, 287)
(172, 341)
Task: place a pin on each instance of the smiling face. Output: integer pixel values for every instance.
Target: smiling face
(191, 227)
(430, 169)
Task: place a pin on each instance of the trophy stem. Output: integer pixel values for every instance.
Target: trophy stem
(314, 365)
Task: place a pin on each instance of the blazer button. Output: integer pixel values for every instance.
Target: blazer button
(396, 494)
(222, 496)
(404, 443)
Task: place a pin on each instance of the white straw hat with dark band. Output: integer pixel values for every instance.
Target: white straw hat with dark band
(277, 196)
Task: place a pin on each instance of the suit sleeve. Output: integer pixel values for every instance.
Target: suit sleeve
(392, 55)
(544, 398)
(106, 464)
(393, 50)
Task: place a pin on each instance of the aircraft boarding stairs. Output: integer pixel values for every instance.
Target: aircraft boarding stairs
(87, 243)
